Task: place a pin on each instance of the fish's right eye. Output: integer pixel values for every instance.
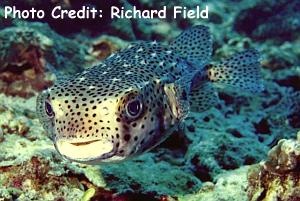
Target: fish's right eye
(49, 109)
(134, 108)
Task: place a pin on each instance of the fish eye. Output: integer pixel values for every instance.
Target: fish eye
(134, 108)
(48, 109)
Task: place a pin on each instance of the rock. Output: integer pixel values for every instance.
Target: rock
(27, 182)
(154, 29)
(67, 25)
(22, 70)
(27, 51)
(216, 145)
(270, 19)
(277, 177)
(146, 174)
(105, 45)
(1, 135)
(231, 185)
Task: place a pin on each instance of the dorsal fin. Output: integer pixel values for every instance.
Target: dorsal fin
(194, 45)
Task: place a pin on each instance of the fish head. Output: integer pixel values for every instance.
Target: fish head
(101, 123)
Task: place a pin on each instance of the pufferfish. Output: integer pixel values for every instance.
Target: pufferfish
(137, 97)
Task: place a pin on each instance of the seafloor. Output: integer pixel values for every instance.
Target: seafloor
(246, 149)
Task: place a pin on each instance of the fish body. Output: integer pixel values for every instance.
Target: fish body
(134, 99)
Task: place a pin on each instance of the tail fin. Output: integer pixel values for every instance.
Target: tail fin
(241, 70)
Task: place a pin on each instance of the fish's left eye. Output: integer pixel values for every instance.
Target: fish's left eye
(134, 108)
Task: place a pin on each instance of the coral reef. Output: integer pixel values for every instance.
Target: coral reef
(221, 143)
(148, 174)
(270, 19)
(27, 181)
(105, 45)
(216, 155)
(278, 177)
(22, 63)
(31, 54)
(66, 25)
(55, 49)
(228, 186)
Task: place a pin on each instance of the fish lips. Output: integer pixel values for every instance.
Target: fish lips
(88, 152)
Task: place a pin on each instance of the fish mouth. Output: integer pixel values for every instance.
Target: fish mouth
(86, 151)
(83, 143)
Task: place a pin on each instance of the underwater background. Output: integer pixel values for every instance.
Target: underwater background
(246, 149)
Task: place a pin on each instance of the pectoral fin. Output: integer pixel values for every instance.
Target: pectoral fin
(177, 99)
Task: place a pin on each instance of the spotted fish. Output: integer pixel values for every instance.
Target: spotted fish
(134, 99)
